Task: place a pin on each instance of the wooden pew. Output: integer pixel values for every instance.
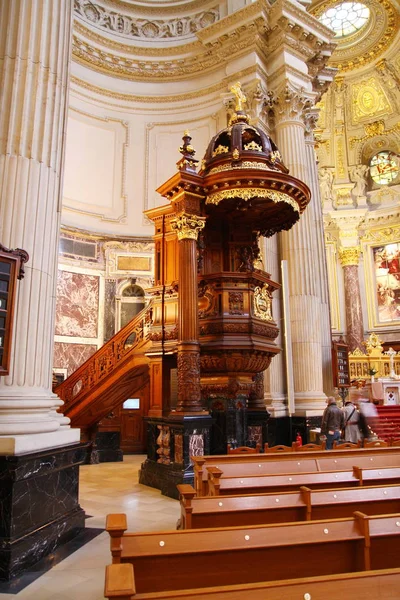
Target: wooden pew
(305, 504)
(219, 485)
(179, 560)
(383, 584)
(284, 462)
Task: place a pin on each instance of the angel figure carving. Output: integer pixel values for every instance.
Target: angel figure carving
(358, 175)
(326, 178)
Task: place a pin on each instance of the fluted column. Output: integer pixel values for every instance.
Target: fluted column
(189, 391)
(349, 258)
(315, 207)
(35, 53)
(299, 247)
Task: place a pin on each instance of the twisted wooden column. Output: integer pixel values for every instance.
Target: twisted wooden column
(189, 392)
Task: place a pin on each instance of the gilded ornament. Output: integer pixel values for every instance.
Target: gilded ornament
(241, 99)
(235, 154)
(369, 99)
(377, 128)
(349, 256)
(249, 193)
(188, 226)
(263, 303)
(253, 146)
(246, 164)
(274, 156)
(220, 150)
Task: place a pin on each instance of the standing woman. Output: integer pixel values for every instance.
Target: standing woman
(351, 423)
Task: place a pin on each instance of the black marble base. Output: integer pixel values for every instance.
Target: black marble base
(48, 562)
(164, 477)
(105, 447)
(285, 429)
(39, 508)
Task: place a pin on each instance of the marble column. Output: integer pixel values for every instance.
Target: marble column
(315, 207)
(300, 248)
(349, 258)
(35, 38)
(189, 391)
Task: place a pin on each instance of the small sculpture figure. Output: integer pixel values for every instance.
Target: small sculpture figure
(326, 178)
(240, 97)
(358, 175)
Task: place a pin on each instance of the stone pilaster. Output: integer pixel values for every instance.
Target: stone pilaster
(189, 391)
(349, 258)
(315, 207)
(300, 248)
(35, 49)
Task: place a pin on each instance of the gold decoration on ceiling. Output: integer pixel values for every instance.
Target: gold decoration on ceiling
(368, 99)
(374, 129)
(249, 193)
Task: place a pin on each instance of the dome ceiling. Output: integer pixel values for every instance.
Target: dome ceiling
(369, 40)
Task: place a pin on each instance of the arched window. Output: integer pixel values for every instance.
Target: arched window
(384, 167)
(128, 304)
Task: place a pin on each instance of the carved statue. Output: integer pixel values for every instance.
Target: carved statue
(240, 97)
(326, 178)
(358, 175)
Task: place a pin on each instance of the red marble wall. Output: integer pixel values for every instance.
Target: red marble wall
(71, 356)
(77, 305)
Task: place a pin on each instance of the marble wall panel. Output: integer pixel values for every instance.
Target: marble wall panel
(71, 356)
(77, 304)
(196, 445)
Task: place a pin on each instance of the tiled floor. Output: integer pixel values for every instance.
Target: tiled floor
(104, 488)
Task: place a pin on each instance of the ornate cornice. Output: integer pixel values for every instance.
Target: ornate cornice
(249, 193)
(143, 26)
(373, 130)
(349, 256)
(188, 227)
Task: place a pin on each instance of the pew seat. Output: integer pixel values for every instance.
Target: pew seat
(304, 504)
(179, 560)
(383, 584)
(219, 485)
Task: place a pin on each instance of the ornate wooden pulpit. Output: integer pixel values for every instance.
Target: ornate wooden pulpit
(212, 325)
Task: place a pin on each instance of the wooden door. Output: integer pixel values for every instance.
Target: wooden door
(133, 428)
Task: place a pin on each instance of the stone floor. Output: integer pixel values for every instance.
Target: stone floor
(104, 488)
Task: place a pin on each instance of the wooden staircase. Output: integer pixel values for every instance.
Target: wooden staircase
(110, 376)
(387, 425)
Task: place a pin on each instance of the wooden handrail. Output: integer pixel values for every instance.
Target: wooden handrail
(104, 361)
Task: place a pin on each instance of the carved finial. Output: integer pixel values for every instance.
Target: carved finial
(241, 99)
(188, 162)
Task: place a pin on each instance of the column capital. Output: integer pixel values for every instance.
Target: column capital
(289, 104)
(349, 256)
(188, 226)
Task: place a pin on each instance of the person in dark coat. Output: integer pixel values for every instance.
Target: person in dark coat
(332, 422)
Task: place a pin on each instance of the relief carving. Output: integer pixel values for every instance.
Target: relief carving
(207, 300)
(263, 303)
(188, 377)
(133, 27)
(234, 361)
(163, 442)
(236, 305)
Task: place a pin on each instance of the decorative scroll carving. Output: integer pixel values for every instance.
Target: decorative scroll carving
(188, 226)
(22, 254)
(234, 361)
(133, 27)
(265, 330)
(207, 300)
(163, 442)
(349, 256)
(372, 130)
(263, 303)
(236, 305)
(215, 328)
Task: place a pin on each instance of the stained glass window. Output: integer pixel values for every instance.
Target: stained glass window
(384, 167)
(345, 18)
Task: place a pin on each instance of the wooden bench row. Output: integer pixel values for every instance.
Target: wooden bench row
(220, 485)
(196, 559)
(303, 505)
(288, 462)
(383, 584)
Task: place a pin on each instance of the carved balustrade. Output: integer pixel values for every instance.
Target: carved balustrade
(116, 351)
